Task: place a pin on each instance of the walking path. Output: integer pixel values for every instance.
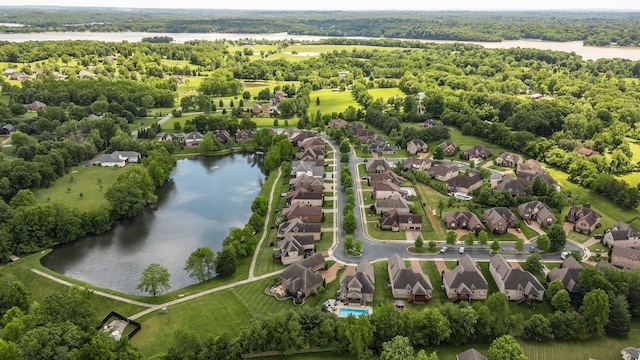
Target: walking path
(265, 228)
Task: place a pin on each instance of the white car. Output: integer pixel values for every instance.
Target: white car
(564, 254)
(461, 250)
(444, 249)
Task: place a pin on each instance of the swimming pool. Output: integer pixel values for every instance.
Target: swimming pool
(344, 312)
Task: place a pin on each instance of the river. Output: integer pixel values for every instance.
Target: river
(587, 52)
(207, 196)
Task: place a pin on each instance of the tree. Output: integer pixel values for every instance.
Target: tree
(422, 355)
(483, 237)
(398, 348)
(506, 348)
(561, 301)
(543, 242)
(357, 245)
(433, 327)
(553, 288)
(619, 323)
(154, 279)
(226, 261)
(318, 101)
(359, 332)
(260, 205)
(349, 223)
(592, 278)
(595, 309)
(519, 244)
(538, 328)
(495, 245)
(557, 237)
(462, 322)
(201, 263)
(451, 237)
(533, 263)
(345, 147)
(348, 243)
(131, 192)
(419, 243)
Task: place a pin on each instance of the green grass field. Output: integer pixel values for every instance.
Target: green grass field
(331, 101)
(385, 93)
(4, 99)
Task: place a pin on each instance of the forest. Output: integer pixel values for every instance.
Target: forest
(593, 28)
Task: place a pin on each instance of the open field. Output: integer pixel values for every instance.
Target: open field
(4, 99)
(385, 93)
(331, 101)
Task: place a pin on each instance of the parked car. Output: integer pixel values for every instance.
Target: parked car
(444, 249)
(564, 254)
(598, 236)
(518, 230)
(461, 250)
(532, 249)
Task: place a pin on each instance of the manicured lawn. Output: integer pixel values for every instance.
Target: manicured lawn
(141, 123)
(328, 219)
(92, 182)
(385, 93)
(527, 231)
(331, 101)
(4, 99)
(374, 232)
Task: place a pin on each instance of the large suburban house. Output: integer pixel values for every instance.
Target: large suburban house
(443, 173)
(386, 205)
(302, 278)
(620, 232)
(584, 218)
(337, 124)
(378, 166)
(476, 152)
(569, 274)
(514, 282)
(537, 211)
(462, 220)
(382, 148)
(358, 287)
(299, 226)
(449, 147)
(293, 249)
(313, 143)
(465, 184)
(471, 354)
(388, 190)
(585, 151)
(626, 254)
(119, 158)
(530, 166)
(406, 283)
(465, 281)
(417, 164)
(396, 220)
(499, 219)
(513, 186)
(298, 168)
(193, 139)
(388, 175)
(508, 159)
(630, 353)
(311, 154)
(304, 197)
(415, 146)
(310, 183)
(312, 214)
(526, 178)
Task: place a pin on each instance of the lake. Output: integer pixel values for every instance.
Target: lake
(587, 52)
(207, 196)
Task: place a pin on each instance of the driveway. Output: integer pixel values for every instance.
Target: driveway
(412, 235)
(415, 265)
(441, 266)
(518, 234)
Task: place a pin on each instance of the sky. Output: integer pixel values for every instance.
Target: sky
(346, 4)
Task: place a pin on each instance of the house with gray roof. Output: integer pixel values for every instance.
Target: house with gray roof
(477, 151)
(119, 158)
(358, 286)
(193, 139)
(299, 226)
(464, 184)
(471, 354)
(379, 165)
(584, 218)
(305, 197)
(630, 353)
(388, 190)
(514, 282)
(312, 214)
(443, 173)
(417, 145)
(620, 232)
(298, 168)
(302, 278)
(465, 281)
(417, 164)
(508, 159)
(462, 220)
(626, 254)
(537, 211)
(293, 249)
(530, 166)
(499, 219)
(448, 147)
(513, 186)
(386, 205)
(406, 283)
(396, 220)
(387, 175)
(569, 274)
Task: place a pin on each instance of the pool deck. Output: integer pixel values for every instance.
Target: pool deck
(337, 305)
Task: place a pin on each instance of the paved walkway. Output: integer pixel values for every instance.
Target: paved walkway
(331, 273)
(441, 266)
(415, 265)
(590, 242)
(265, 229)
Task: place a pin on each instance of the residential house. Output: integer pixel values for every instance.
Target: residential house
(193, 139)
(8, 72)
(499, 219)
(417, 145)
(630, 353)
(526, 179)
(585, 151)
(382, 148)
(302, 278)
(427, 123)
(313, 143)
(311, 154)
(396, 220)
(464, 184)
(462, 220)
(299, 168)
(406, 283)
(37, 105)
(170, 137)
(388, 190)
(584, 218)
(337, 124)
(530, 166)
(388, 175)
(119, 158)
(378, 166)
(6, 129)
(386, 205)
(18, 76)
(243, 135)
(620, 232)
(449, 147)
(298, 226)
(417, 164)
(514, 282)
(471, 354)
(222, 135)
(442, 172)
(476, 152)
(261, 109)
(513, 186)
(86, 74)
(537, 211)
(298, 137)
(359, 286)
(310, 183)
(465, 281)
(569, 274)
(293, 249)
(304, 197)
(626, 254)
(508, 159)
(312, 214)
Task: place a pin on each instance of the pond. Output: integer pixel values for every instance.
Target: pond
(207, 196)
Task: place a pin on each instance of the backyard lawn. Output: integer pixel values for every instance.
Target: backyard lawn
(331, 101)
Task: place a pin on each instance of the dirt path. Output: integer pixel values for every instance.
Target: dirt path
(265, 228)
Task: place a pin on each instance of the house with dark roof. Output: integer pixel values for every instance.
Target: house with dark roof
(508, 159)
(386, 205)
(6, 129)
(18, 76)
(388, 190)
(514, 282)
(584, 218)
(302, 278)
(626, 254)
(293, 249)
(620, 232)
(513, 186)
(37, 105)
(396, 220)
(406, 283)
(530, 166)
(193, 139)
(358, 286)
(382, 148)
(222, 135)
(417, 145)
(311, 154)
(526, 179)
(443, 173)
(569, 274)
(499, 219)
(304, 197)
(379, 165)
(314, 143)
(388, 175)
(449, 148)
(585, 151)
(471, 354)
(312, 214)
(465, 281)
(417, 164)
(462, 220)
(119, 158)
(297, 226)
(464, 184)
(170, 137)
(630, 353)
(337, 124)
(310, 183)
(477, 151)
(537, 211)
(298, 168)
(243, 135)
